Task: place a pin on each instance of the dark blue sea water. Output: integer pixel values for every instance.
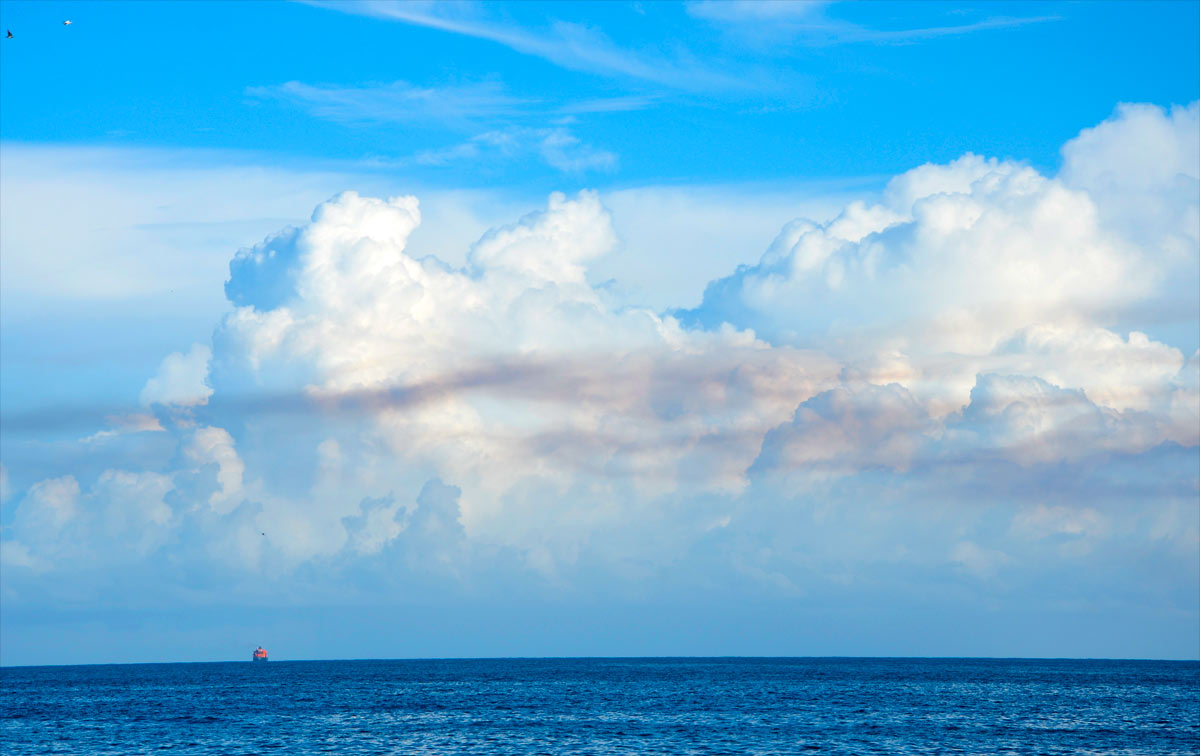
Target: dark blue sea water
(606, 706)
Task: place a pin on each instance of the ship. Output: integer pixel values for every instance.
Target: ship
(260, 654)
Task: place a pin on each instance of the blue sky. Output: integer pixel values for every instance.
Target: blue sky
(832, 328)
(675, 93)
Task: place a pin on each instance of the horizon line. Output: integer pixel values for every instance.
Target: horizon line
(1192, 660)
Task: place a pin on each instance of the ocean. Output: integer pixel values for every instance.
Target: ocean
(606, 706)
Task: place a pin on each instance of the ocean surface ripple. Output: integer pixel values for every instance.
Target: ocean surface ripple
(606, 706)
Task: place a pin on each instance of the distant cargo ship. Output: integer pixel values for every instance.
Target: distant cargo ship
(260, 654)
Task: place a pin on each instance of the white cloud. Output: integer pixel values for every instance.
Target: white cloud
(572, 46)
(978, 560)
(1184, 408)
(1141, 168)
(557, 147)
(807, 22)
(211, 445)
(158, 226)
(893, 371)
(673, 240)
(49, 506)
(398, 102)
(14, 554)
(983, 266)
(380, 521)
(554, 247)
(847, 429)
(457, 106)
(135, 514)
(966, 253)
(144, 222)
(1142, 149)
(1043, 521)
(748, 10)
(1029, 421)
(180, 381)
(979, 283)
(507, 128)
(511, 372)
(152, 231)
(122, 518)
(122, 424)
(563, 150)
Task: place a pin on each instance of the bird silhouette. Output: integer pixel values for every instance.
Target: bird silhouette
(67, 22)
(9, 35)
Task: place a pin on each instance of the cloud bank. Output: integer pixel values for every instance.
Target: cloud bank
(962, 382)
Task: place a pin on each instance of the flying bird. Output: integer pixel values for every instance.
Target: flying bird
(9, 35)
(67, 22)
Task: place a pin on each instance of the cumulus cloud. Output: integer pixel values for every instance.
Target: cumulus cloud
(953, 377)
(1141, 168)
(844, 430)
(122, 518)
(1027, 420)
(510, 372)
(49, 506)
(964, 253)
(985, 266)
(1142, 149)
(215, 446)
(180, 380)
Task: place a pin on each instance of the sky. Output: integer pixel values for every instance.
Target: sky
(391, 330)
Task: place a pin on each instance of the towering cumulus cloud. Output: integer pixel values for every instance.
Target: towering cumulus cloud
(988, 373)
(509, 377)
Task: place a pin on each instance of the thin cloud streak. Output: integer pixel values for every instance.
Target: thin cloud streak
(399, 102)
(905, 35)
(507, 126)
(571, 46)
(562, 380)
(557, 147)
(611, 105)
(777, 20)
(565, 381)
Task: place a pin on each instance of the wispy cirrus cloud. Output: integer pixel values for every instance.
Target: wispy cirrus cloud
(610, 104)
(808, 22)
(507, 127)
(556, 146)
(462, 105)
(572, 46)
(399, 101)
